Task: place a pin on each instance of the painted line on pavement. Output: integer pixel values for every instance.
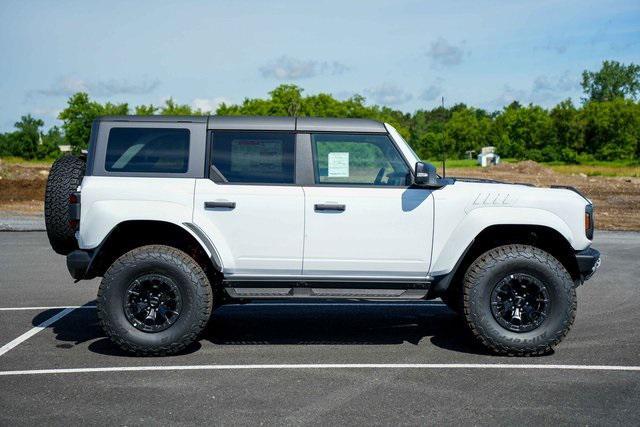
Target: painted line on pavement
(424, 366)
(268, 304)
(46, 308)
(22, 338)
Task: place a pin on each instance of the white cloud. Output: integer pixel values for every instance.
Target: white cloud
(288, 68)
(507, 96)
(444, 53)
(547, 90)
(388, 94)
(47, 112)
(208, 105)
(433, 91)
(68, 85)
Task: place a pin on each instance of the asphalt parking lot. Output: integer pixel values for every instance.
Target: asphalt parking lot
(318, 363)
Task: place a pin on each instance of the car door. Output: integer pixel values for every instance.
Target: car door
(362, 218)
(250, 207)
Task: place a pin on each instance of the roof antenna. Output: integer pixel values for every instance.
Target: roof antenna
(444, 148)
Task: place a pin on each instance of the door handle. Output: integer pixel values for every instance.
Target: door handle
(219, 205)
(329, 207)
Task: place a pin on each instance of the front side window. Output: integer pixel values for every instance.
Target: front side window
(358, 160)
(154, 150)
(254, 157)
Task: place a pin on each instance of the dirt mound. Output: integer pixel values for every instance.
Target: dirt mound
(527, 167)
(23, 171)
(17, 190)
(23, 182)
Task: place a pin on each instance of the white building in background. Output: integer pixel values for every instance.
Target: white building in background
(488, 157)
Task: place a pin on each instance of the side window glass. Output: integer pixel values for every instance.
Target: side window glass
(254, 157)
(358, 160)
(155, 150)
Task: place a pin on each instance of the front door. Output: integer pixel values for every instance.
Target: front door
(251, 208)
(362, 219)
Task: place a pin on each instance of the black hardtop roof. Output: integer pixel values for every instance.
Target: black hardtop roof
(309, 124)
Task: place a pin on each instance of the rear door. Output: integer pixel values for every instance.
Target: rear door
(362, 219)
(250, 206)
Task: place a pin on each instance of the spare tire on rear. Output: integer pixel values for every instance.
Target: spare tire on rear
(64, 178)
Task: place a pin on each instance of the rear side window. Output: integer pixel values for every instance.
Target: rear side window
(254, 157)
(154, 150)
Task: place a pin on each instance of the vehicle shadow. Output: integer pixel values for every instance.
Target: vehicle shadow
(344, 323)
(308, 323)
(81, 326)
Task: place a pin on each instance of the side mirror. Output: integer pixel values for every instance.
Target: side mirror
(426, 176)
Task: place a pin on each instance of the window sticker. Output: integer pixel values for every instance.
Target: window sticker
(338, 165)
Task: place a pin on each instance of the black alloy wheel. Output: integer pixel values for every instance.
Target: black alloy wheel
(152, 303)
(520, 302)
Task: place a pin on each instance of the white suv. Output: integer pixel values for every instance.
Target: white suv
(180, 214)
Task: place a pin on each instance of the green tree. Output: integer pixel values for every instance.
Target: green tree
(172, 108)
(77, 119)
(27, 137)
(79, 115)
(613, 80)
(524, 133)
(49, 148)
(146, 110)
(568, 128)
(466, 131)
(612, 129)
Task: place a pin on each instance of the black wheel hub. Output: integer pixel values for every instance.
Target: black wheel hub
(520, 302)
(152, 303)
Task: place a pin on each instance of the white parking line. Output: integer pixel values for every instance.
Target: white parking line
(326, 366)
(274, 304)
(22, 338)
(46, 308)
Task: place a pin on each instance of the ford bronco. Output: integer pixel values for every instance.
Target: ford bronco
(181, 214)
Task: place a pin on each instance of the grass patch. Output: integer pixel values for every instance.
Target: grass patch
(20, 161)
(603, 169)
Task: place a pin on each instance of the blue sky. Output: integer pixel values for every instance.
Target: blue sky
(405, 54)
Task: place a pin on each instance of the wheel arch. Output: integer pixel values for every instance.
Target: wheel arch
(540, 236)
(130, 234)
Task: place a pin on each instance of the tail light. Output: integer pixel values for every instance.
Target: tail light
(74, 210)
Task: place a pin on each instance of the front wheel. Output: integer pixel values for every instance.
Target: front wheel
(154, 300)
(518, 300)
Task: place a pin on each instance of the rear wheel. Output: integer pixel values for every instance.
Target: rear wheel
(154, 300)
(518, 300)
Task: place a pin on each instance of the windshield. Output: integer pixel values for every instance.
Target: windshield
(403, 145)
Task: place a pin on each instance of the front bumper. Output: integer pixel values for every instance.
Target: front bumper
(588, 262)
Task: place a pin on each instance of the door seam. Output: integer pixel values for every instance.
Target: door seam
(304, 227)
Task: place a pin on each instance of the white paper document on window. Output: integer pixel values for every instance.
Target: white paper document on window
(338, 165)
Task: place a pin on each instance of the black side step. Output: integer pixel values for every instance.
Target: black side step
(326, 293)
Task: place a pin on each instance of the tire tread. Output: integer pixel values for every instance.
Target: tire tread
(203, 298)
(483, 265)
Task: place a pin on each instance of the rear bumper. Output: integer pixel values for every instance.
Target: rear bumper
(78, 263)
(588, 262)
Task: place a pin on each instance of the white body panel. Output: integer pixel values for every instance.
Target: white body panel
(108, 201)
(383, 232)
(262, 235)
(274, 230)
(464, 209)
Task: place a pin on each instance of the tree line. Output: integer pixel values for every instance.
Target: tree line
(604, 125)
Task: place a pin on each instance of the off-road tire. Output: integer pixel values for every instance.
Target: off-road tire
(485, 273)
(64, 178)
(195, 289)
